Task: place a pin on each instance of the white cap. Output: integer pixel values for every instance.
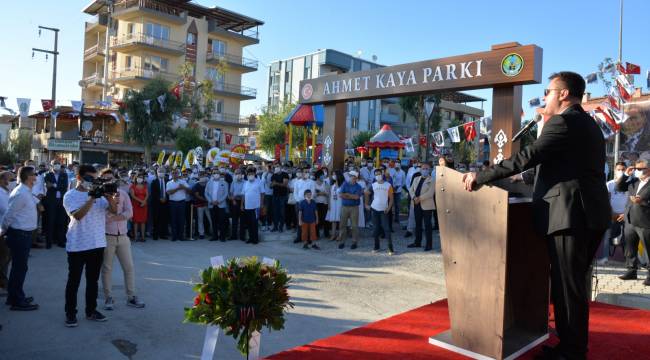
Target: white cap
(353, 173)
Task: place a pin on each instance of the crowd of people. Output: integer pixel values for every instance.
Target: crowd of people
(95, 212)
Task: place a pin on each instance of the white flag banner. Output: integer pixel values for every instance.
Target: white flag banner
(408, 145)
(23, 106)
(438, 138)
(147, 106)
(484, 124)
(77, 105)
(161, 100)
(126, 117)
(454, 134)
(217, 135)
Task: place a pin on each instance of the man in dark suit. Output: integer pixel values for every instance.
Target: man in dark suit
(56, 185)
(159, 205)
(637, 216)
(570, 203)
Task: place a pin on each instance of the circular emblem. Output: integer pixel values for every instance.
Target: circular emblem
(512, 64)
(307, 91)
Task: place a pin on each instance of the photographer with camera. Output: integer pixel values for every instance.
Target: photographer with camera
(86, 205)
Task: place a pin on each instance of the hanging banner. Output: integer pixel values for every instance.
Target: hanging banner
(77, 105)
(47, 105)
(278, 152)
(161, 100)
(161, 157)
(470, 131)
(237, 154)
(210, 156)
(23, 106)
(438, 138)
(179, 159)
(252, 142)
(635, 130)
(228, 138)
(171, 159)
(454, 134)
(147, 106)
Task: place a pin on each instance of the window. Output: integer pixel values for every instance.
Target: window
(218, 78)
(217, 47)
(307, 74)
(130, 29)
(218, 109)
(191, 39)
(157, 31)
(155, 63)
(127, 62)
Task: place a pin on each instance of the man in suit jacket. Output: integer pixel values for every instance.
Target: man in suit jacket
(637, 216)
(159, 205)
(422, 191)
(56, 185)
(570, 203)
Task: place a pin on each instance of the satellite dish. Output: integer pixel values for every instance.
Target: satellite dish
(87, 125)
(374, 58)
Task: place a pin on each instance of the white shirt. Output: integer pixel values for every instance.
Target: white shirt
(252, 191)
(301, 186)
(4, 203)
(175, 184)
(90, 232)
(39, 185)
(366, 173)
(398, 178)
(216, 190)
(380, 195)
(617, 199)
(21, 210)
(323, 188)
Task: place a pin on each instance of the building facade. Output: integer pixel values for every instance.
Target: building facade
(150, 39)
(367, 115)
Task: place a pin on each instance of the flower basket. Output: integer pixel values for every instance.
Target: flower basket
(241, 297)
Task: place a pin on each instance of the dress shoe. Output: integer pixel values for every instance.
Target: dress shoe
(408, 234)
(428, 248)
(646, 282)
(25, 306)
(27, 300)
(629, 275)
(414, 245)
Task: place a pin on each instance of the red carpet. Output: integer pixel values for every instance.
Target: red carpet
(614, 333)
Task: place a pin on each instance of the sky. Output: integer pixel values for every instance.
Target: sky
(575, 35)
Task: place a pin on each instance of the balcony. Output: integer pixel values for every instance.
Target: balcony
(40, 141)
(133, 75)
(127, 9)
(388, 118)
(133, 42)
(98, 24)
(95, 80)
(230, 120)
(241, 63)
(247, 37)
(94, 52)
(233, 90)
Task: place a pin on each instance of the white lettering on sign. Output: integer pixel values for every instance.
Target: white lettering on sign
(446, 72)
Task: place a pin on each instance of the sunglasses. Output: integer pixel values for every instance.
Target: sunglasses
(548, 91)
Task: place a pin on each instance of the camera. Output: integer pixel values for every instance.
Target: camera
(101, 187)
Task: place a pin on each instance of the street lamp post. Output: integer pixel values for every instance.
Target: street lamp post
(54, 52)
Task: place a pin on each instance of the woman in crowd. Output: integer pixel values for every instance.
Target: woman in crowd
(322, 197)
(334, 206)
(139, 196)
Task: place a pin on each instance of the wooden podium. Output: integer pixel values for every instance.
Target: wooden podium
(496, 270)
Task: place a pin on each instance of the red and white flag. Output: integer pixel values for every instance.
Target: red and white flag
(603, 115)
(470, 131)
(47, 105)
(632, 69)
(624, 88)
(228, 138)
(613, 102)
(621, 69)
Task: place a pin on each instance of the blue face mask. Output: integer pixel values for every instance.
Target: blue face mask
(425, 172)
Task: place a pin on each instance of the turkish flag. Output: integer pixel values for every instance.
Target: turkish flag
(608, 119)
(176, 91)
(632, 69)
(470, 131)
(228, 138)
(423, 140)
(47, 105)
(621, 69)
(278, 152)
(613, 102)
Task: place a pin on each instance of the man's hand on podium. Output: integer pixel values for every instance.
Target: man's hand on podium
(469, 179)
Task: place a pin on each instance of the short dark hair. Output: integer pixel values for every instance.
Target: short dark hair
(106, 171)
(307, 192)
(379, 170)
(251, 171)
(86, 169)
(25, 172)
(621, 163)
(573, 82)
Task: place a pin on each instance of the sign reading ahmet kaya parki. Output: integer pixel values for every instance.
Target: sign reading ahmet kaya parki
(509, 66)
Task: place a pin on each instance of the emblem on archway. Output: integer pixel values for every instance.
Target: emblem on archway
(512, 64)
(500, 140)
(307, 91)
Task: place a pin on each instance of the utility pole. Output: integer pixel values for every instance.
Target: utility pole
(617, 137)
(109, 27)
(54, 52)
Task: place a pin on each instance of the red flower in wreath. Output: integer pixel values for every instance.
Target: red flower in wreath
(208, 300)
(197, 300)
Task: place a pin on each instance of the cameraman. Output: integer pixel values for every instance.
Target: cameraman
(118, 243)
(86, 240)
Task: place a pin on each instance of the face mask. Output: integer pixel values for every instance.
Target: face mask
(140, 180)
(305, 176)
(369, 165)
(638, 174)
(299, 175)
(364, 163)
(251, 177)
(57, 167)
(426, 172)
(308, 197)
(277, 171)
(290, 176)
(334, 177)
(216, 176)
(313, 177)
(378, 177)
(618, 173)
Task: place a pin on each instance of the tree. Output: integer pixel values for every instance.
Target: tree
(414, 106)
(150, 129)
(272, 128)
(20, 144)
(463, 151)
(361, 139)
(189, 138)
(6, 156)
(198, 98)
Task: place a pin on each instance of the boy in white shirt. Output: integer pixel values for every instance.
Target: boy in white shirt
(382, 202)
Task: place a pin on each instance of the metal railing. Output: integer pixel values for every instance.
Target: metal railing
(229, 118)
(235, 89)
(97, 20)
(252, 33)
(137, 72)
(97, 49)
(140, 38)
(94, 79)
(232, 59)
(149, 4)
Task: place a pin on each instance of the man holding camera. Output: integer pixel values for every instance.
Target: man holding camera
(86, 240)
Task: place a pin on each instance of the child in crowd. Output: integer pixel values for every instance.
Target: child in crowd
(308, 219)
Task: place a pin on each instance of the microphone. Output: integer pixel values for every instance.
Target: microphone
(526, 129)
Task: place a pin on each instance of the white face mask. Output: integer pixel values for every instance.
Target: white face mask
(334, 177)
(618, 173)
(305, 176)
(313, 177)
(638, 174)
(251, 177)
(139, 180)
(216, 176)
(378, 177)
(57, 167)
(277, 170)
(364, 163)
(299, 175)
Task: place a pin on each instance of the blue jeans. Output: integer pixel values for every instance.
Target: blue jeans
(397, 196)
(380, 222)
(177, 210)
(278, 211)
(19, 242)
